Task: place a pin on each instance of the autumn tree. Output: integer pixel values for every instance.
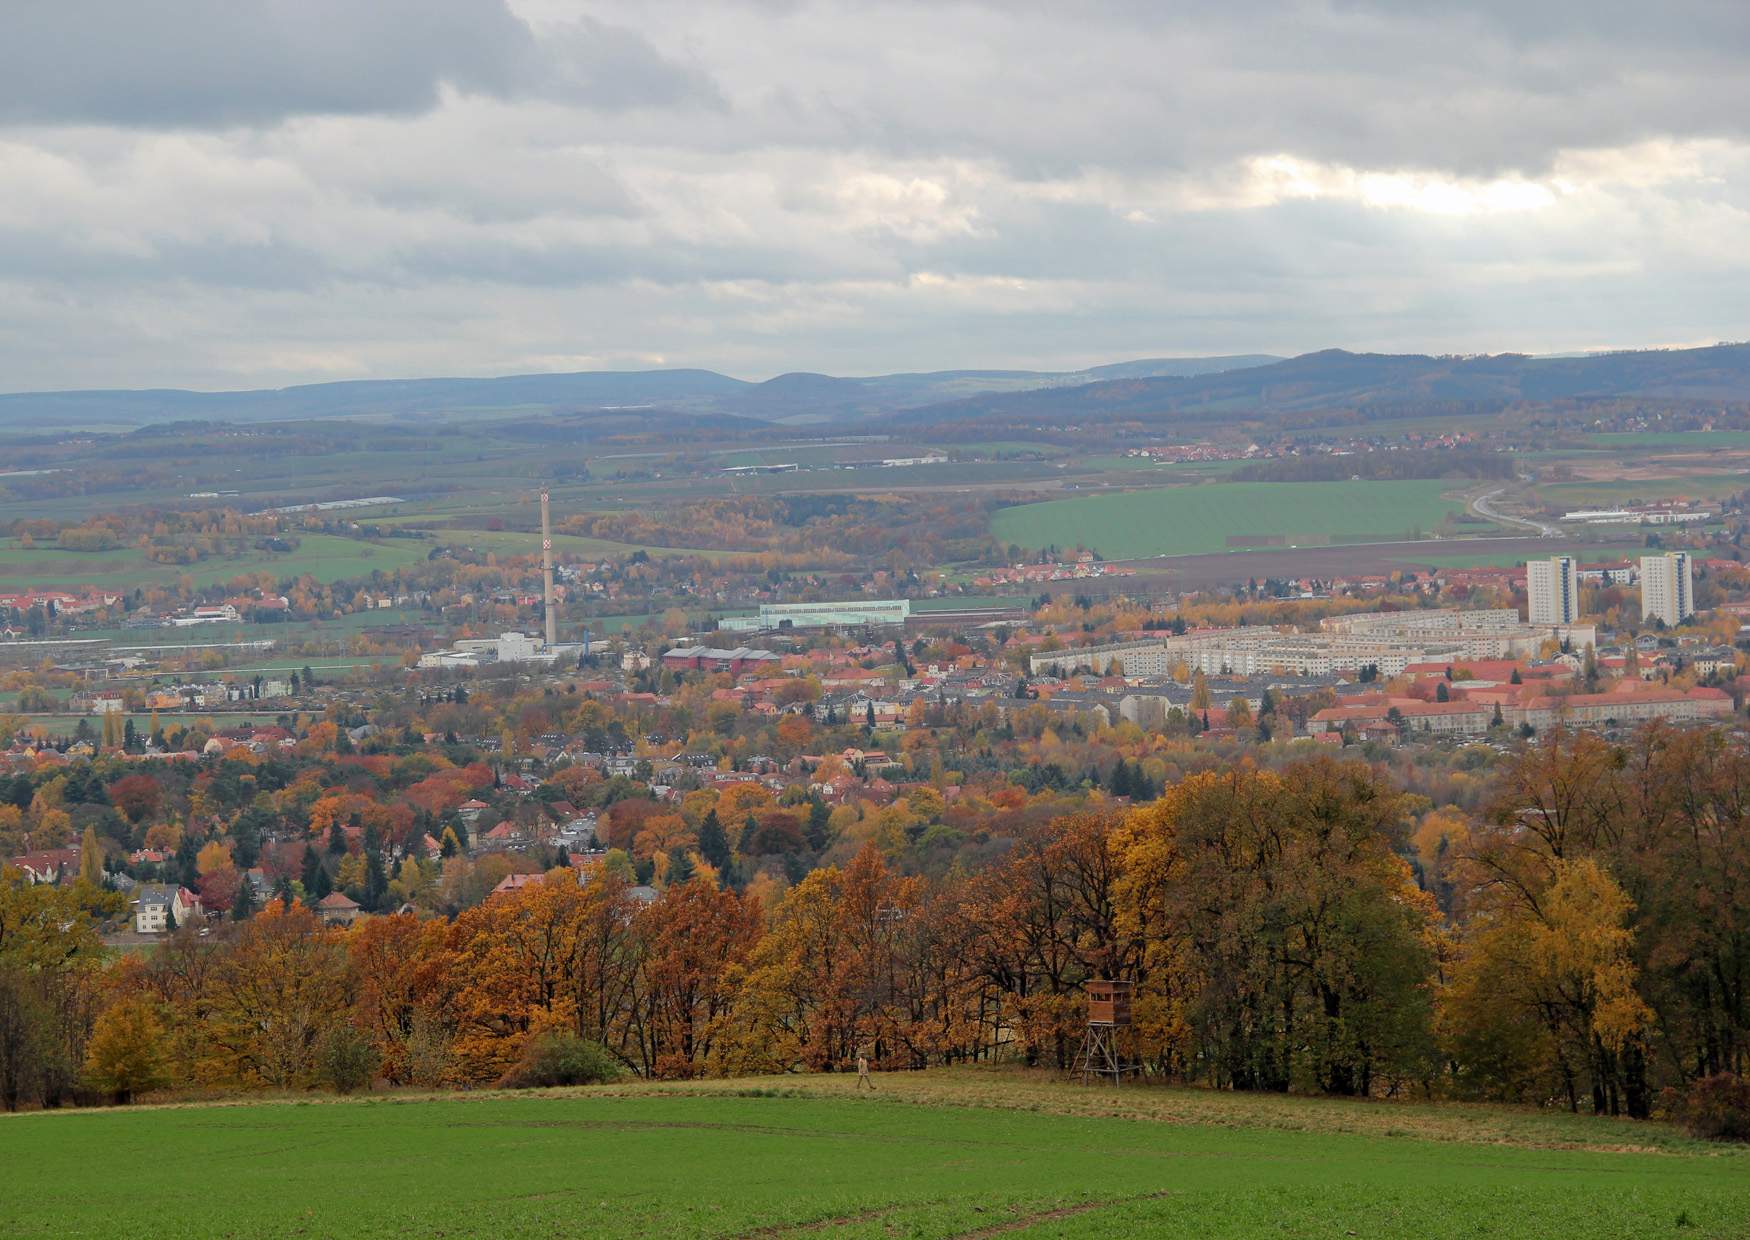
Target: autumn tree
(275, 991)
(49, 952)
(1303, 937)
(694, 946)
(90, 858)
(125, 1055)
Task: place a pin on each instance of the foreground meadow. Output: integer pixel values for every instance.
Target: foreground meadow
(935, 1154)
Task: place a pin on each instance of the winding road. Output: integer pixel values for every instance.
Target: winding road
(1480, 506)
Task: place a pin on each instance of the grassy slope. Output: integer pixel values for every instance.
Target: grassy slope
(939, 1154)
(1191, 520)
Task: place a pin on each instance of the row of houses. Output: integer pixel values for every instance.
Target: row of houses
(1386, 642)
(1475, 715)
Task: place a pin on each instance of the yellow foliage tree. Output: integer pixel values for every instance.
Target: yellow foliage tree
(126, 1054)
(212, 856)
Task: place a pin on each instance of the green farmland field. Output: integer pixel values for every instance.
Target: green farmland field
(1643, 490)
(784, 1157)
(507, 543)
(325, 557)
(1216, 516)
(1695, 441)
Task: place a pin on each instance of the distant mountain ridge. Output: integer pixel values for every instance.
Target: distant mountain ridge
(791, 397)
(1334, 379)
(1243, 385)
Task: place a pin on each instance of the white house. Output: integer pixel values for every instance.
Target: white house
(157, 903)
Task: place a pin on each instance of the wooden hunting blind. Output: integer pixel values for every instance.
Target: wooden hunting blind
(1109, 1002)
(1108, 1012)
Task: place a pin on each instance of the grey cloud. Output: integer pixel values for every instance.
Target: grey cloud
(209, 191)
(215, 63)
(586, 61)
(1049, 88)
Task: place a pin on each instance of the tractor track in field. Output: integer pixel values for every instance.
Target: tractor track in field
(1023, 1222)
(825, 1224)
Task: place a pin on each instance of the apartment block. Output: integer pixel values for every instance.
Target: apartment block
(1552, 590)
(1667, 587)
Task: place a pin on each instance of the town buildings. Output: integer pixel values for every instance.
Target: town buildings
(712, 659)
(1552, 590)
(511, 647)
(159, 907)
(1383, 642)
(1667, 587)
(1473, 713)
(855, 613)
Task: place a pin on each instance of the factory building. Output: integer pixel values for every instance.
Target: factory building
(854, 614)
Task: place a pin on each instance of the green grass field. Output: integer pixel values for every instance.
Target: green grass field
(795, 1156)
(507, 543)
(326, 557)
(1192, 520)
(1632, 490)
(1172, 471)
(211, 721)
(1695, 441)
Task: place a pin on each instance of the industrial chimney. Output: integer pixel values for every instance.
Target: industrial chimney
(552, 616)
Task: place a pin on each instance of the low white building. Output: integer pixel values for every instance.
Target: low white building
(222, 614)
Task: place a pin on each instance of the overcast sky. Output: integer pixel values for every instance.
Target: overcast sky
(226, 193)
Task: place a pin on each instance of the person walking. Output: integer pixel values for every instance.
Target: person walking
(863, 1077)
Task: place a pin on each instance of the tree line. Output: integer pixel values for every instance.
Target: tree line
(1584, 943)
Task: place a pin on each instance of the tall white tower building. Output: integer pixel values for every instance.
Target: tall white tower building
(1552, 590)
(1667, 587)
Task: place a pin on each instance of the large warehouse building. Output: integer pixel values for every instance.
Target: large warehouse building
(855, 614)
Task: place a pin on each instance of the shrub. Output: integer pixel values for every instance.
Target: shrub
(561, 1059)
(1715, 1108)
(345, 1059)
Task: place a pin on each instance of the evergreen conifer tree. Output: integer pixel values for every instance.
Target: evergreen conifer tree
(713, 843)
(819, 818)
(244, 904)
(313, 873)
(376, 881)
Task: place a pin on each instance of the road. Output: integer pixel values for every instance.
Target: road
(1480, 506)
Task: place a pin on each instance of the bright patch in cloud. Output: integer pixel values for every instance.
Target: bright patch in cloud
(1276, 178)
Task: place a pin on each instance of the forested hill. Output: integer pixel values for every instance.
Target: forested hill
(1187, 387)
(1335, 379)
(789, 397)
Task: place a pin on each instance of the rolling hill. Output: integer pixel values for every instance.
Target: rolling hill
(1335, 379)
(1173, 388)
(789, 397)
